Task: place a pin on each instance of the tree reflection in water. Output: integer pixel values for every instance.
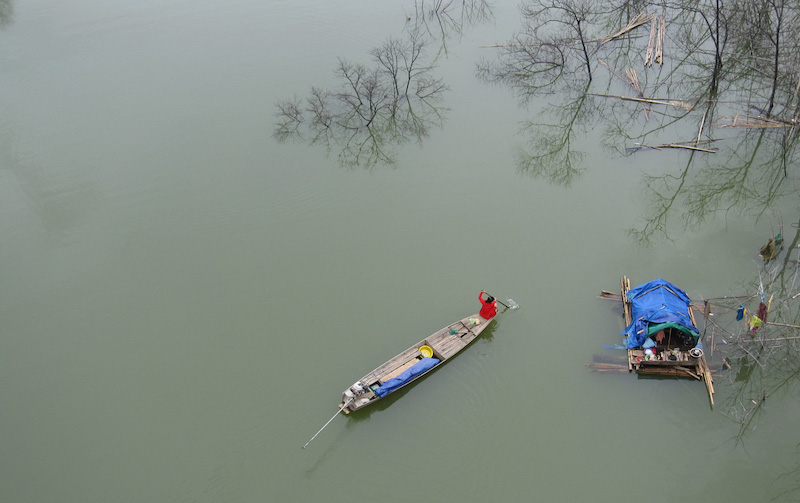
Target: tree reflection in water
(394, 100)
(440, 20)
(375, 109)
(682, 75)
(6, 12)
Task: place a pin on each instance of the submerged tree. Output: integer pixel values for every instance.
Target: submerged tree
(762, 343)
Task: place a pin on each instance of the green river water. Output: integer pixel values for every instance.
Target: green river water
(184, 298)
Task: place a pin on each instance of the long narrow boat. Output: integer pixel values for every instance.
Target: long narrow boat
(413, 363)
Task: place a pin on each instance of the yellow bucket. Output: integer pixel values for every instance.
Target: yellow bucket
(426, 351)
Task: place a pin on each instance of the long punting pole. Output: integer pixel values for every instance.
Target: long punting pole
(329, 421)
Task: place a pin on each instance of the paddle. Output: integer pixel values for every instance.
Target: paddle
(513, 305)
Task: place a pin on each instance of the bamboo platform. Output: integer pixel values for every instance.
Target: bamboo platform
(670, 359)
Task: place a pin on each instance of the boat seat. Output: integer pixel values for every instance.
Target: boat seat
(449, 346)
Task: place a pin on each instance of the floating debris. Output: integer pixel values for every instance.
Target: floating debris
(771, 248)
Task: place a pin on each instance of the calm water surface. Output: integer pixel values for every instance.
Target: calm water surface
(184, 299)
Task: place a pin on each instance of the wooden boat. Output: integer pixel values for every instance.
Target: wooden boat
(413, 363)
(662, 337)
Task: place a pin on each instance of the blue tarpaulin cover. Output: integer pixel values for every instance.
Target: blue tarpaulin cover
(421, 367)
(656, 302)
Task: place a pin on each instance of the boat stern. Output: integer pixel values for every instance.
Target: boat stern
(356, 396)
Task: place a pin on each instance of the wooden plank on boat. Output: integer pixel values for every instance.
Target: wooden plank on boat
(389, 366)
(399, 370)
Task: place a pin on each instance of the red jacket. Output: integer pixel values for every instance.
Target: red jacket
(488, 309)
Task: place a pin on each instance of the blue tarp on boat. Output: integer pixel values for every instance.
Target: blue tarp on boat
(654, 303)
(418, 368)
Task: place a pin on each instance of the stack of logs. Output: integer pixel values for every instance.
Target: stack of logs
(655, 45)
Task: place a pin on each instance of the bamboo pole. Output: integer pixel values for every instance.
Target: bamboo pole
(700, 131)
(760, 123)
(678, 145)
(662, 28)
(781, 324)
(651, 42)
(779, 339)
(341, 409)
(674, 103)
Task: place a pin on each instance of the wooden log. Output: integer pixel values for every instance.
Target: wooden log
(684, 369)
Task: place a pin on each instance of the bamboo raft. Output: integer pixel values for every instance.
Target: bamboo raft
(672, 356)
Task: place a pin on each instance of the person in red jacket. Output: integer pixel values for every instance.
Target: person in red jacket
(488, 306)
